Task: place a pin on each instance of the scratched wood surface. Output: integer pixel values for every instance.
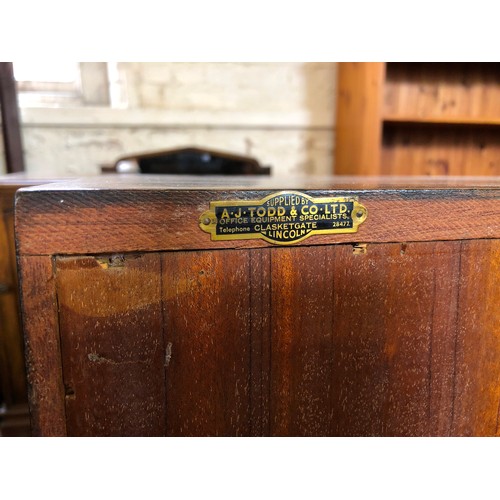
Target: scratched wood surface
(476, 409)
(163, 344)
(409, 346)
(112, 346)
(207, 303)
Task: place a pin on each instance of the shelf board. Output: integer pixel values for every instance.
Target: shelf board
(440, 120)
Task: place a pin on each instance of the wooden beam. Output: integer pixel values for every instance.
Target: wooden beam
(358, 123)
(11, 129)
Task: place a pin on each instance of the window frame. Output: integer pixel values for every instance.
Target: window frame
(90, 89)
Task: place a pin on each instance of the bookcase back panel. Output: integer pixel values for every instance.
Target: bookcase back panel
(452, 150)
(442, 90)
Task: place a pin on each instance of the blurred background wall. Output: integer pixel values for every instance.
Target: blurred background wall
(283, 114)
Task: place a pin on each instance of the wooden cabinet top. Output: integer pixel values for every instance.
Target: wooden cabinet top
(258, 183)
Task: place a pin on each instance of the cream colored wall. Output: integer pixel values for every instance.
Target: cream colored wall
(281, 113)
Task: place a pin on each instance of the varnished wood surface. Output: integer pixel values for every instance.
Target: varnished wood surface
(448, 120)
(301, 341)
(13, 385)
(82, 217)
(12, 371)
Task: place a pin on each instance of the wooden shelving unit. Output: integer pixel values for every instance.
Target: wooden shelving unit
(418, 119)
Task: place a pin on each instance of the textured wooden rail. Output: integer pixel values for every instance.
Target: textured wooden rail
(153, 220)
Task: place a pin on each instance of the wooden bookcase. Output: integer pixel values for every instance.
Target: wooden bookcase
(137, 322)
(418, 119)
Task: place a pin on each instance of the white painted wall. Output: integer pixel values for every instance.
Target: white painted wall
(280, 113)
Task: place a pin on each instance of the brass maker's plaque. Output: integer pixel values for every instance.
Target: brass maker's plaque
(282, 218)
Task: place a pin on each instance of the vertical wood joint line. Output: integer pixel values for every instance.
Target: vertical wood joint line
(161, 256)
(59, 338)
(334, 253)
(252, 341)
(455, 347)
(431, 338)
(269, 342)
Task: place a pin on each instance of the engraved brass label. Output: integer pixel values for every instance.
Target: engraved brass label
(282, 218)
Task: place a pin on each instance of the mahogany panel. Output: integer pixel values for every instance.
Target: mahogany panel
(443, 335)
(112, 348)
(476, 404)
(391, 367)
(260, 307)
(207, 299)
(302, 281)
(386, 342)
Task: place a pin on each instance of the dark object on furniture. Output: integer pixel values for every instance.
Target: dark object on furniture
(10, 119)
(191, 161)
(138, 323)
